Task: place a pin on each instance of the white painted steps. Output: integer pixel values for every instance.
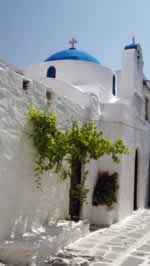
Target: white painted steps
(37, 245)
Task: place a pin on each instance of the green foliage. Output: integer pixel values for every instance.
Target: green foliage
(49, 141)
(88, 143)
(105, 191)
(57, 149)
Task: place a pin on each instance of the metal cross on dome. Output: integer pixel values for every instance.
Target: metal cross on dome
(73, 42)
(133, 40)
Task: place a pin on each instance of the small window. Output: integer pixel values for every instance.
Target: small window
(25, 84)
(51, 72)
(138, 54)
(114, 85)
(146, 109)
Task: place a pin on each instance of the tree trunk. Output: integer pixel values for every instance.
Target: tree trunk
(75, 203)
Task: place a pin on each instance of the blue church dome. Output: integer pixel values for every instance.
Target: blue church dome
(72, 54)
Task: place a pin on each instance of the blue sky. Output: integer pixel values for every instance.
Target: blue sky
(31, 30)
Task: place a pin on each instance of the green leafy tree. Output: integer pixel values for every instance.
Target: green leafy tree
(66, 152)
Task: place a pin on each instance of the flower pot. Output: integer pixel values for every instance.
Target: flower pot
(102, 215)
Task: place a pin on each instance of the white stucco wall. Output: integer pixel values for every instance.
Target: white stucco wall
(135, 136)
(22, 206)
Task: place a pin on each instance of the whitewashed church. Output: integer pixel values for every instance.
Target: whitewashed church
(82, 89)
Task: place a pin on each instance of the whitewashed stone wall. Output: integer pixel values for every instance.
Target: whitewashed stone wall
(22, 206)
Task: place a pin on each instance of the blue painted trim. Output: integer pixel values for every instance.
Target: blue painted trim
(131, 46)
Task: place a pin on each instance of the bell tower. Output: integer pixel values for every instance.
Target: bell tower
(132, 70)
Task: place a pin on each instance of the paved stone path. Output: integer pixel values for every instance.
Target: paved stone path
(126, 243)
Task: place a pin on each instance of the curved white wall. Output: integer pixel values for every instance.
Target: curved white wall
(74, 72)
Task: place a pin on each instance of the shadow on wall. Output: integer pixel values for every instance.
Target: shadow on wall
(40, 205)
(148, 190)
(27, 207)
(136, 176)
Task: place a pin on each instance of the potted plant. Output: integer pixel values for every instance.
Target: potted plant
(104, 199)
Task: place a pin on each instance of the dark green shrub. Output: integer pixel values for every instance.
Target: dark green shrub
(105, 191)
